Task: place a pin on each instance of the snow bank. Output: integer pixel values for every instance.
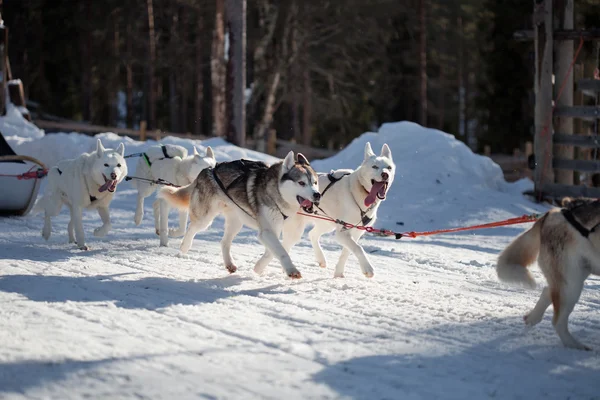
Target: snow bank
(439, 181)
(14, 126)
(54, 147)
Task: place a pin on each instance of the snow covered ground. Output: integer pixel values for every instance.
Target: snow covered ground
(128, 319)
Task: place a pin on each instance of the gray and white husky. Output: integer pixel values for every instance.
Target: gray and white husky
(248, 193)
(568, 244)
(172, 164)
(88, 181)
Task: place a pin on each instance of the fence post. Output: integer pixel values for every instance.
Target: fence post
(272, 142)
(564, 55)
(143, 126)
(542, 21)
(16, 95)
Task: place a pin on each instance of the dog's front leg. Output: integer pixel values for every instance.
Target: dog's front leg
(163, 230)
(344, 237)
(71, 229)
(77, 219)
(106, 225)
(270, 240)
(293, 228)
(183, 217)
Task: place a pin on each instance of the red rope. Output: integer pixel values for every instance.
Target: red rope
(31, 174)
(399, 235)
(546, 128)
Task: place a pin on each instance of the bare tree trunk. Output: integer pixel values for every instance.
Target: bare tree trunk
(307, 109)
(129, 72)
(236, 16)
(422, 63)
(461, 82)
(173, 114)
(86, 71)
(261, 129)
(294, 79)
(113, 90)
(199, 96)
(151, 62)
(218, 71)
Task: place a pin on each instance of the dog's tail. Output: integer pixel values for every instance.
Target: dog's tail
(177, 197)
(522, 252)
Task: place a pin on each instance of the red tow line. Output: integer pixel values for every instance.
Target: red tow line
(31, 174)
(399, 235)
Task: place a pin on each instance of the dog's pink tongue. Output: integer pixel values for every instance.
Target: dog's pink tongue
(377, 187)
(306, 203)
(107, 185)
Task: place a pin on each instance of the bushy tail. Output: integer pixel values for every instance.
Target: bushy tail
(177, 197)
(522, 252)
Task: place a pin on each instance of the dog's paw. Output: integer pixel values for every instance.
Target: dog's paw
(295, 274)
(138, 218)
(531, 319)
(101, 231)
(231, 268)
(369, 274)
(368, 271)
(338, 276)
(84, 248)
(176, 233)
(322, 264)
(46, 232)
(72, 240)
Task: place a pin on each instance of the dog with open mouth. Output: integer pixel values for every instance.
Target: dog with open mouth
(353, 196)
(248, 193)
(88, 181)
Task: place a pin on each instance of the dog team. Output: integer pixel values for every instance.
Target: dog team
(277, 201)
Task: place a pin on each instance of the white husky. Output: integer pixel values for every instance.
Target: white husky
(350, 196)
(172, 164)
(88, 181)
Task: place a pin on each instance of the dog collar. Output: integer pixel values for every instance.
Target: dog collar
(585, 232)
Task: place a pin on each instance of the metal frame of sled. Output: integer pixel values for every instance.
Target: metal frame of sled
(19, 195)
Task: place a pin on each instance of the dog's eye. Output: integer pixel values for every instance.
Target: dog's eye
(118, 165)
(301, 183)
(106, 165)
(375, 167)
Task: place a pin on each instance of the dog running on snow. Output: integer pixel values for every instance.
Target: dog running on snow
(568, 245)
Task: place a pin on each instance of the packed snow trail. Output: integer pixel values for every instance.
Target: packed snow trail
(128, 319)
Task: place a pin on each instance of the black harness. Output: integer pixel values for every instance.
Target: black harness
(585, 232)
(92, 198)
(246, 166)
(164, 151)
(364, 218)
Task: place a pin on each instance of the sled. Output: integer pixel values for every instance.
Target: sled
(20, 178)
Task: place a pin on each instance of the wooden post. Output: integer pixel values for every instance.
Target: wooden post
(272, 142)
(3, 70)
(157, 135)
(143, 126)
(563, 11)
(542, 21)
(528, 149)
(487, 150)
(16, 95)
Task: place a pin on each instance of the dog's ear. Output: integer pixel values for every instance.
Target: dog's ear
(121, 149)
(368, 151)
(210, 153)
(385, 151)
(288, 161)
(99, 149)
(195, 151)
(302, 160)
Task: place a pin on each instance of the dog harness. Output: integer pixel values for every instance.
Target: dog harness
(246, 166)
(585, 232)
(162, 147)
(364, 218)
(92, 198)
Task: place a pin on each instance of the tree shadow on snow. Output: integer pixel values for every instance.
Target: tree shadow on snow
(19, 376)
(146, 293)
(510, 365)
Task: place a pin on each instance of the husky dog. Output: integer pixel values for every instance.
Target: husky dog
(350, 196)
(88, 181)
(568, 243)
(248, 193)
(172, 164)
